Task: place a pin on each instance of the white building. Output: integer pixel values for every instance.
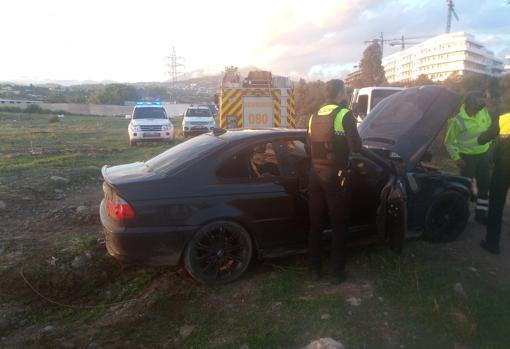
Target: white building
(441, 56)
(507, 66)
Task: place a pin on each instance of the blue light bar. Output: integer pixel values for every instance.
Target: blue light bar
(157, 102)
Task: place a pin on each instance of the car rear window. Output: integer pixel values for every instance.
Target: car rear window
(149, 113)
(186, 151)
(198, 112)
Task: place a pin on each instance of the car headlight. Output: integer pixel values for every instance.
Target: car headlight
(135, 128)
(165, 128)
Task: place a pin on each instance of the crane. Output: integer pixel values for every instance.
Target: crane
(395, 41)
(403, 41)
(451, 12)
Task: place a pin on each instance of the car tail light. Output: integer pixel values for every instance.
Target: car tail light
(119, 209)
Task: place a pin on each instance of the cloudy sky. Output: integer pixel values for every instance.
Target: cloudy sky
(128, 41)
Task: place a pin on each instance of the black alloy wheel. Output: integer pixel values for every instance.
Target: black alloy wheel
(446, 218)
(219, 253)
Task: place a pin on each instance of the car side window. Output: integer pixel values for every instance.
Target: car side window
(295, 160)
(255, 161)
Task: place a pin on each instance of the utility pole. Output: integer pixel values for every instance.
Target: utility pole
(382, 44)
(175, 66)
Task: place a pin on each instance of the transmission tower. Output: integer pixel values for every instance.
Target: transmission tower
(175, 66)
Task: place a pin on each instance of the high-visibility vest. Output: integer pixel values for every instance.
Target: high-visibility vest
(504, 125)
(329, 148)
(463, 133)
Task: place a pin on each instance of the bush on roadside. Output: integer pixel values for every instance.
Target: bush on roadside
(34, 109)
(54, 119)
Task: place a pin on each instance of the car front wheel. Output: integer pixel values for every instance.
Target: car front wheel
(219, 253)
(446, 218)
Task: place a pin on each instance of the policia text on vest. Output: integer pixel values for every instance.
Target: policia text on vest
(332, 135)
(471, 157)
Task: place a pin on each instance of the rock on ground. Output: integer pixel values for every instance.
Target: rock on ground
(325, 343)
(459, 290)
(80, 261)
(354, 301)
(59, 179)
(186, 330)
(82, 210)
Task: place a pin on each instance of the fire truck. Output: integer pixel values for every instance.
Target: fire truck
(258, 101)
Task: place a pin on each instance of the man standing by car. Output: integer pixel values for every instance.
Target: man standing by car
(471, 157)
(500, 181)
(332, 136)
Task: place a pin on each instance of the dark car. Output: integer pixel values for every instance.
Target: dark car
(217, 200)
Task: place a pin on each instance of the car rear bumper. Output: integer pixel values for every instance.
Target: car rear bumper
(150, 246)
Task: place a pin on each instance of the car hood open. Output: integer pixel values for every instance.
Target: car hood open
(407, 122)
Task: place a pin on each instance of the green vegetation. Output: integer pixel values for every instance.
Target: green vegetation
(39, 142)
(404, 300)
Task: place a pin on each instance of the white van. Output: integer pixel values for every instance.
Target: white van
(197, 120)
(364, 99)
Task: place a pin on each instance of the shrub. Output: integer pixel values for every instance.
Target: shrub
(54, 119)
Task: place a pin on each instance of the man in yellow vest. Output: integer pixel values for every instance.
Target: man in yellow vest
(471, 157)
(500, 181)
(332, 136)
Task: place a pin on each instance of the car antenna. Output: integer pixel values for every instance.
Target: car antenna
(217, 131)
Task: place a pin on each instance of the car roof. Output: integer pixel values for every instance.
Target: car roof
(234, 135)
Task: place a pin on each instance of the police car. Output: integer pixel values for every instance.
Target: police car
(197, 120)
(149, 122)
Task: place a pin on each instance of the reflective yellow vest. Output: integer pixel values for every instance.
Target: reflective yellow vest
(504, 125)
(463, 133)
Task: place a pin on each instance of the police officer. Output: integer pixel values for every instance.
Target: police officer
(500, 181)
(332, 136)
(470, 156)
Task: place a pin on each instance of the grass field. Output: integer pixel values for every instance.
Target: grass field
(389, 301)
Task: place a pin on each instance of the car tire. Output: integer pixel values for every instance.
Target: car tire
(446, 217)
(132, 143)
(218, 253)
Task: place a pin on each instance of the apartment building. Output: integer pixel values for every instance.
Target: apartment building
(441, 56)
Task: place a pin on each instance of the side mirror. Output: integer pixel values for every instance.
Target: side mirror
(128, 116)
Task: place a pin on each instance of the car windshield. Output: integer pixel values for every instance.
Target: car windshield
(199, 112)
(178, 155)
(149, 113)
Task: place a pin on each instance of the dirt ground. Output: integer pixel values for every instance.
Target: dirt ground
(60, 289)
(43, 234)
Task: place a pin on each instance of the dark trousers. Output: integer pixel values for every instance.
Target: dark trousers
(500, 183)
(327, 200)
(477, 166)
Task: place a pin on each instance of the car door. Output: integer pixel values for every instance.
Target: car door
(295, 164)
(253, 185)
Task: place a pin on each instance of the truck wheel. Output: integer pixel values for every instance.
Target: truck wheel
(132, 143)
(219, 253)
(446, 218)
